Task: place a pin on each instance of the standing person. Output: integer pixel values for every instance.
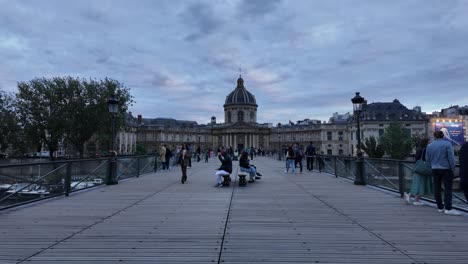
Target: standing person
(298, 153)
(290, 159)
(421, 184)
(198, 154)
(320, 161)
(463, 159)
(207, 155)
(245, 166)
(190, 148)
(184, 157)
(168, 157)
(162, 156)
(310, 154)
(440, 155)
(155, 168)
(252, 152)
(224, 169)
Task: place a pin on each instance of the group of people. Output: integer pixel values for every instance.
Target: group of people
(226, 167)
(440, 159)
(294, 156)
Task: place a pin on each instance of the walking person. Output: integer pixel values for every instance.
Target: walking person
(440, 155)
(168, 157)
(183, 158)
(224, 169)
(207, 155)
(421, 184)
(463, 159)
(310, 155)
(162, 156)
(290, 160)
(299, 154)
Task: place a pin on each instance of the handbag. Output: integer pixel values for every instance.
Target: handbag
(422, 168)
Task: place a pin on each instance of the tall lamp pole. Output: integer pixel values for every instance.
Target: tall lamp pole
(358, 103)
(113, 106)
(279, 142)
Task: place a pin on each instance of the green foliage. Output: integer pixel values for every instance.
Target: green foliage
(9, 128)
(396, 141)
(416, 140)
(140, 150)
(69, 109)
(373, 147)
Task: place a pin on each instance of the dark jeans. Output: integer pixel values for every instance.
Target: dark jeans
(446, 177)
(184, 172)
(310, 163)
(299, 161)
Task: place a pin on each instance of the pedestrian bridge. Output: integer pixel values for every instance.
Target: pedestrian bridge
(295, 218)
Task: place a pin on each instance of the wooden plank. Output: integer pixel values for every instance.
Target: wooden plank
(301, 218)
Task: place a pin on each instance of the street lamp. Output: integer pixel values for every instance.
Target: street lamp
(279, 142)
(358, 103)
(113, 106)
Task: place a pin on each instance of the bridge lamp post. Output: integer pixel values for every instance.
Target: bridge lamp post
(113, 106)
(279, 141)
(358, 103)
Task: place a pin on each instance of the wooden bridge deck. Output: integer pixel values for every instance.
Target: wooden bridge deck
(302, 218)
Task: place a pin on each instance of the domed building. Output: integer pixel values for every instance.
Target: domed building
(240, 105)
(240, 129)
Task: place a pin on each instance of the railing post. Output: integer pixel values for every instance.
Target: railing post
(336, 172)
(401, 179)
(359, 180)
(138, 167)
(112, 171)
(68, 179)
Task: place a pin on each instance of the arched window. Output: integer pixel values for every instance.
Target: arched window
(252, 116)
(229, 116)
(240, 116)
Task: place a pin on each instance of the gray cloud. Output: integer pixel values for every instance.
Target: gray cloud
(201, 21)
(300, 58)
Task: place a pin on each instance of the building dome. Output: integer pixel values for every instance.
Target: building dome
(240, 96)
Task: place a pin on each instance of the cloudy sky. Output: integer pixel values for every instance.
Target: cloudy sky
(301, 59)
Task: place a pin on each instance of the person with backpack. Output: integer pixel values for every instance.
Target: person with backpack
(299, 155)
(290, 159)
(310, 156)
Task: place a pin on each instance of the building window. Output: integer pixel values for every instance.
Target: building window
(381, 132)
(240, 116)
(340, 152)
(252, 116)
(340, 135)
(229, 116)
(329, 135)
(329, 152)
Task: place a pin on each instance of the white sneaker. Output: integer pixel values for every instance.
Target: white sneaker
(418, 203)
(440, 210)
(452, 212)
(285, 171)
(406, 197)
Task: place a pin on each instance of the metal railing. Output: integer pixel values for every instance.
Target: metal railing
(27, 182)
(388, 174)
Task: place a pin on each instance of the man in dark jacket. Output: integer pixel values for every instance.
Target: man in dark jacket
(464, 169)
(224, 169)
(310, 154)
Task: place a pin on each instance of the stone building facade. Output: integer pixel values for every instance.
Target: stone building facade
(241, 130)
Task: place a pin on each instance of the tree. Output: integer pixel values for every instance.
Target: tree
(9, 127)
(396, 141)
(40, 104)
(140, 150)
(69, 109)
(373, 147)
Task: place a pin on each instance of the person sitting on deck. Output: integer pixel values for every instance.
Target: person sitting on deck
(225, 169)
(245, 166)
